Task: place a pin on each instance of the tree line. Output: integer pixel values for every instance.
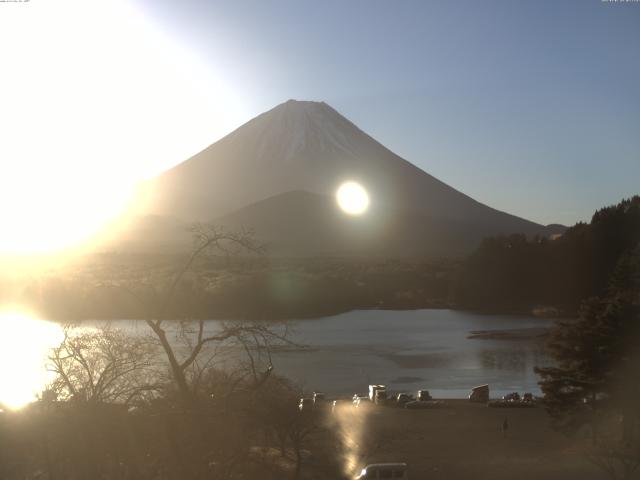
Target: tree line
(237, 287)
(516, 273)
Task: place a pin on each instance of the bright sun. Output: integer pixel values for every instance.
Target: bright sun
(94, 99)
(352, 198)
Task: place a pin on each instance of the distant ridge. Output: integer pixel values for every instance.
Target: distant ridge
(303, 224)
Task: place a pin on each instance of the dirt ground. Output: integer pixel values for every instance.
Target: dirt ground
(461, 441)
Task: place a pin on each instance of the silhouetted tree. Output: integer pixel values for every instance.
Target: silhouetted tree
(595, 380)
(204, 436)
(181, 332)
(103, 365)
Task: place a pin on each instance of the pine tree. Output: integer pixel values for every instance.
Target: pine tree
(596, 377)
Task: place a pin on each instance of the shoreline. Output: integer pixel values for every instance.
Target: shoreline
(511, 334)
(390, 308)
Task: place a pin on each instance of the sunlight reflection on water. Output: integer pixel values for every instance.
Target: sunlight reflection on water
(25, 342)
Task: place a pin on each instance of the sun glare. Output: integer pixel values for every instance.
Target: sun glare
(352, 198)
(24, 345)
(95, 98)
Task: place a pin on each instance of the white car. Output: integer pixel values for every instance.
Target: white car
(305, 404)
(357, 401)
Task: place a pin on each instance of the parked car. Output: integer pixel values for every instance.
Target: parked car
(424, 395)
(359, 401)
(380, 397)
(512, 397)
(384, 470)
(373, 393)
(403, 398)
(319, 400)
(479, 394)
(306, 404)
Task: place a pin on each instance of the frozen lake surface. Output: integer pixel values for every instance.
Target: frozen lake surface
(406, 350)
(412, 349)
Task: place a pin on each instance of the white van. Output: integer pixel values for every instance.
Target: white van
(384, 470)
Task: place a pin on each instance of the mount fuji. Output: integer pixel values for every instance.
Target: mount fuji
(278, 174)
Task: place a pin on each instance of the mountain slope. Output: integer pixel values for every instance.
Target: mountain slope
(309, 147)
(301, 223)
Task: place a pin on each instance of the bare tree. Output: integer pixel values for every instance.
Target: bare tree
(191, 338)
(102, 365)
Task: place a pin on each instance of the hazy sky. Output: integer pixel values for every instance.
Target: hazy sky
(530, 107)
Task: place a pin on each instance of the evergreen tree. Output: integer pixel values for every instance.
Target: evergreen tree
(519, 273)
(596, 377)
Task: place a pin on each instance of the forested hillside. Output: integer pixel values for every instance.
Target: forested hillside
(516, 273)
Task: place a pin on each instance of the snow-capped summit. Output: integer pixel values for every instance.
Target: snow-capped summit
(295, 126)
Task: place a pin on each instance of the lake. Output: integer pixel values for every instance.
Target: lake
(406, 350)
(413, 349)
(409, 350)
